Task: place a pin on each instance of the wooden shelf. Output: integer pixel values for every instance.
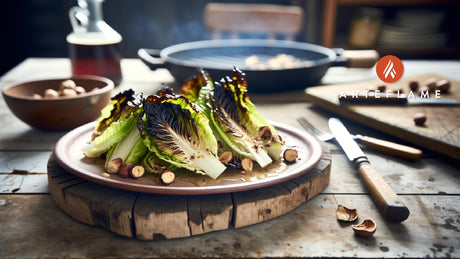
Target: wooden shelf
(394, 2)
(329, 20)
(447, 52)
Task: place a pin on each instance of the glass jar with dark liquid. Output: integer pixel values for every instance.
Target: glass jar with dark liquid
(94, 47)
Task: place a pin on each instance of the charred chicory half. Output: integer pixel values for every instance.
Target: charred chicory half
(192, 87)
(179, 134)
(115, 133)
(251, 118)
(238, 123)
(197, 89)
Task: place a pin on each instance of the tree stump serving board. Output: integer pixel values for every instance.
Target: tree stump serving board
(155, 216)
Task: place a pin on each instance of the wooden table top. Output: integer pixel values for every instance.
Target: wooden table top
(33, 226)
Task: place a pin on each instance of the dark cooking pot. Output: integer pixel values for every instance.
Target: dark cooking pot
(218, 57)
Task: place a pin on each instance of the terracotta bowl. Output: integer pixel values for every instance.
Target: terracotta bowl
(63, 113)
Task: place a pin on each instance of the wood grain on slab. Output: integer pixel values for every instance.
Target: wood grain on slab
(155, 216)
(441, 132)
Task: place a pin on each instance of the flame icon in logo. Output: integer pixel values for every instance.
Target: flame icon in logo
(389, 69)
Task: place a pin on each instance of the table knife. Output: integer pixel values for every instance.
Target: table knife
(386, 199)
(401, 99)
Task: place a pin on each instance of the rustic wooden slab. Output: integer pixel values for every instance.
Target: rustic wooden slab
(440, 134)
(154, 216)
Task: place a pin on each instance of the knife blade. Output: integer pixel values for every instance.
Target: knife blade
(386, 199)
(400, 99)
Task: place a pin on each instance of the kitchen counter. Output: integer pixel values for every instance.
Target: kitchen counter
(33, 226)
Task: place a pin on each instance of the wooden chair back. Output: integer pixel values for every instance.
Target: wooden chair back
(268, 19)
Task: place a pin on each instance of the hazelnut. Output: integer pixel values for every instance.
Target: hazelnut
(413, 85)
(36, 96)
(290, 155)
(124, 170)
(226, 157)
(67, 92)
(345, 214)
(51, 94)
(365, 229)
(443, 85)
(137, 171)
(167, 177)
(67, 84)
(80, 90)
(419, 119)
(246, 164)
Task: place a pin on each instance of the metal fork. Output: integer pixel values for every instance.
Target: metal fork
(319, 134)
(384, 146)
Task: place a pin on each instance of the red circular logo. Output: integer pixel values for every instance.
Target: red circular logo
(389, 69)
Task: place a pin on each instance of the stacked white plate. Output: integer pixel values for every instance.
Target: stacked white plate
(414, 29)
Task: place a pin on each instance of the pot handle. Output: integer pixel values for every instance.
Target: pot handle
(151, 57)
(356, 58)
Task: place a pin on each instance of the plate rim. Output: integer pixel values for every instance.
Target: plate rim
(315, 154)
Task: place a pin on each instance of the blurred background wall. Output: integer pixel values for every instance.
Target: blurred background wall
(38, 28)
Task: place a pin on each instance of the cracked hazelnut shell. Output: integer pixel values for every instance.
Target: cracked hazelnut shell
(345, 214)
(365, 229)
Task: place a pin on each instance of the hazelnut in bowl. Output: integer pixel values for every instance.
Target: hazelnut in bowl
(60, 103)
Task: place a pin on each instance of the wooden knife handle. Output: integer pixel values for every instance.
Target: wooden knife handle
(391, 148)
(386, 199)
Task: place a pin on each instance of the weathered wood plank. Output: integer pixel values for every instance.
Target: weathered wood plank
(91, 203)
(310, 230)
(424, 176)
(10, 183)
(58, 180)
(101, 206)
(208, 213)
(134, 71)
(19, 136)
(258, 205)
(161, 216)
(23, 172)
(34, 183)
(24, 162)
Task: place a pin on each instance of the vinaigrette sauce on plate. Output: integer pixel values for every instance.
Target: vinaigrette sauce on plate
(257, 174)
